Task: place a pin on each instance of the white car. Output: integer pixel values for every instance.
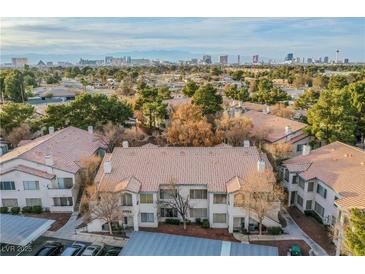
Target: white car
(93, 250)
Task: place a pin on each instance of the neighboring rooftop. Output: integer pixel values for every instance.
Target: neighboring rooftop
(151, 166)
(273, 124)
(158, 244)
(340, 166)
(66, 146)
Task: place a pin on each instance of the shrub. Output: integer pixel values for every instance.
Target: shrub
(27, 209)
(205, 223)
(4, 209)
(198, 221)
(37, 209)
(275, 230)
(15, 210)
(172, 221)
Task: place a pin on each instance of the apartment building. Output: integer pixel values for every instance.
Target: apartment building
(327, 181)
(211, 177)
(45, 171)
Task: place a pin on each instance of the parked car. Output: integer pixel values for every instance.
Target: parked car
(93, 250)
(50, 248)
(113, 251)
(74, 250)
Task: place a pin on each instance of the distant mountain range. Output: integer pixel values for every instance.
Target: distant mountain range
(166, 55)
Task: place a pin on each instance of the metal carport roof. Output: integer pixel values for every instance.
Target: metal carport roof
(159, 244)
(21, 230)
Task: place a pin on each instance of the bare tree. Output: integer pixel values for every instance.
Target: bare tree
(282, 111)
(278, 152)
(18, 134)
(259, 136)
(89, 167)
(104, 206)
(110, 135)
(176, 201)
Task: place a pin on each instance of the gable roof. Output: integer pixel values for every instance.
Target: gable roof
(274, 124)
(29, 170)
(66, 146)
(155, 166)
(340, 166)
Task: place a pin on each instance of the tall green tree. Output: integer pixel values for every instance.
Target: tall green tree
(208, 99)
(14, 86)
(232, 92)
(307, 99)
(355, 233)
(154, 113)
(337, 81)
(190, 88)
(12, 115)
(357, 92)
(332, 118)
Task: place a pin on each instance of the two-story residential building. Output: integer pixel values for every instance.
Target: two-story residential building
(327, 181)
(45, 171)
(209, 176)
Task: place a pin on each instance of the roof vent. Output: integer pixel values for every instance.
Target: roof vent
(246, 143)
(51, 130)
(306, 150)
(288, 130)
(125, 144)
(107, 166)
(48, 159)
(261, 165)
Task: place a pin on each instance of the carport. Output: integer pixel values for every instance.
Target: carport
(159, 244)
(21, 230)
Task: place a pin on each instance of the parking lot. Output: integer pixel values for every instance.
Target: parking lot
(31, 250)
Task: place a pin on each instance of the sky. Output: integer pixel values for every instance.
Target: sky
(176, 38)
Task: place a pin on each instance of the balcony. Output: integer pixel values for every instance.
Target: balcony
(60, 192)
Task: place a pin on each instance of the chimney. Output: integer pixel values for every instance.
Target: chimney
(107, 166)
(261, 165)
(48, 159)
(51, 130)
(90, 129)
(125, 144)
(287, 130)
(306, 150)
(267, 109)
(246, 143)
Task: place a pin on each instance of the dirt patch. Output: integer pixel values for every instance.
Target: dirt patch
(284, 245)
(60, 218)
(193, 230)
(313, 229)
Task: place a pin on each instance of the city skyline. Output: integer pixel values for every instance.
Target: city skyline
(178, 38)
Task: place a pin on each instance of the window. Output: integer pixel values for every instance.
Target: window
(127, 199)
(31, 185)
(147, 218)
(9, 202)
(295, 179)
(310, 186)
(167, 194)
(322, 191)
(146, 198)
(299, 200)
(308, 205)
(319, 209)
(168, 212)
(64, 183)
(198, 212)
(219, 199)
(7, 185)
(300, 148)
(286, 175)
(301, 183)
(198, 193)
(115, 226)
(62, 201)
(33, 202)
(219, 218)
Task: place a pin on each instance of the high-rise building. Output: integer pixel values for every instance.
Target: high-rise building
(19, 61)
(298, 60)
(128, 59)
(255, 59)
(108, 60)
(223, 60)
(309, 60)
(337, 55)
(207, 59)
(238, 59)
(346, 60)
(289, 57)
(325, 60)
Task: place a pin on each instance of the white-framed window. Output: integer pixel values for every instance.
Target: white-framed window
(319, 209)
(62, 201)
(33, 202)
(146, 198)
(7, 185)
(310, 186)
(198, 212)
(299, 147)
(127, 199)
(295, 179)
(9, 202)
(299, 200)
(147, 217)
(322, 191)
(168, 212)
(219, 218)
(219, 199)
(198, 194)
(301, 183)
(286, 175)
(167, 193)
(31, 185)
(64, 183)
(308, 205)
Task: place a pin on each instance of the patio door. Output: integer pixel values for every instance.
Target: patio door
(238, 224)
(293, 197)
